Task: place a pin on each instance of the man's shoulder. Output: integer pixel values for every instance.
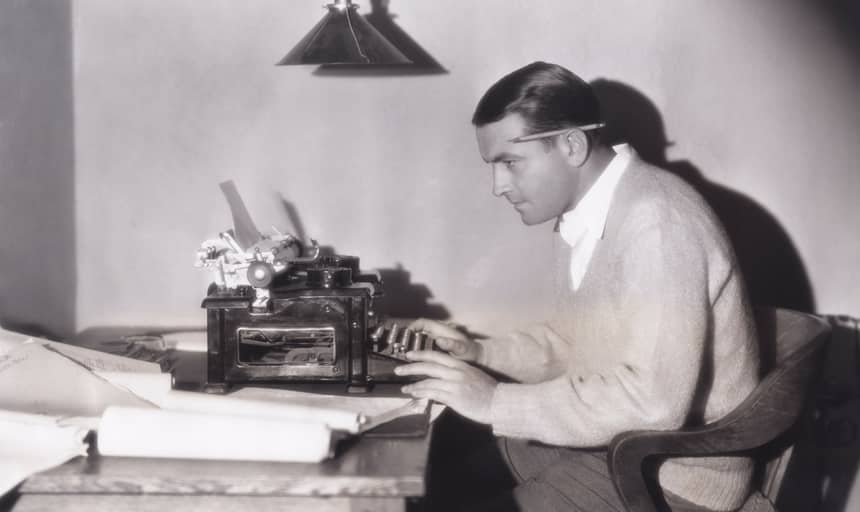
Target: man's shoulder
(648, 190)
(649, 197)
(644, 182)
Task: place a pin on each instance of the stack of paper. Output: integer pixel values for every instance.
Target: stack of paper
(39, 389)
(263, 423)
(52, 394)
(32, 442)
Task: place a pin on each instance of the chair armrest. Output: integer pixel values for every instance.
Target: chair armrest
(629, 452)
(771, 409)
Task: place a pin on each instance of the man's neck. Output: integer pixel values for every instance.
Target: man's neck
(594, 167)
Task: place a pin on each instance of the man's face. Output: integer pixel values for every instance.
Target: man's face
(537, 179)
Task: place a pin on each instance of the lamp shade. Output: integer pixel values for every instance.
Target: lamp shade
(344, 37)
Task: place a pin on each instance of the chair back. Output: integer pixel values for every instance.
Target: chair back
(792, 341)
(794, 344)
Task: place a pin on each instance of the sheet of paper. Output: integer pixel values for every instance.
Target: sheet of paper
(37, 380)
(31, 443)
(152, 387)
(102, 361)
(369, 405)
(135, 432)
(187, 341)
(375, 409)
(156, 388)
(10, 340)
(414, 406)
(336, 419)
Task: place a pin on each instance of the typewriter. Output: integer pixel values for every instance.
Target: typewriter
(279, 311)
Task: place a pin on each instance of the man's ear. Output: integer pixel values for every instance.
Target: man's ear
(576, 147)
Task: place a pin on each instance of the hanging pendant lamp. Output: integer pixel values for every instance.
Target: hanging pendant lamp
(343, 37)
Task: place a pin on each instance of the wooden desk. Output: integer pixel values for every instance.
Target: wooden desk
(373, 474)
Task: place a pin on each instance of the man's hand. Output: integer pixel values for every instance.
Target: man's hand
(453, 382)
(450, 340)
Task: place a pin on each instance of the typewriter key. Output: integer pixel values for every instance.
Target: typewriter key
(420, 339)
(408, 341)
(392, 338)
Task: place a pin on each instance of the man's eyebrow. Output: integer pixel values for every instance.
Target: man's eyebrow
(501, 157)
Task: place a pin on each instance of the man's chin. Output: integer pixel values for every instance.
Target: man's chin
(531, 220)
(530, 215)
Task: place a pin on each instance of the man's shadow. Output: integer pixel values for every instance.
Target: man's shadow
(771, 265)
(774, 273)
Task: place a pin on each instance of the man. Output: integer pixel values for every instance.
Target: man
(652, 328)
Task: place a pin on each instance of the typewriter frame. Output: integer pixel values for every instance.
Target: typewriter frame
(345, 311)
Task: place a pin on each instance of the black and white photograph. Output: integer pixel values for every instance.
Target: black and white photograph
(430, 255)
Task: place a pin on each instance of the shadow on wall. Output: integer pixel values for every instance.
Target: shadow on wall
(844, 16)
(771, 265)
(401, 297)
(824, 467)
(37, 208)
(404, 299)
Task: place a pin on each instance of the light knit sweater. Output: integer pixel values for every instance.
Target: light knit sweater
(658, 335)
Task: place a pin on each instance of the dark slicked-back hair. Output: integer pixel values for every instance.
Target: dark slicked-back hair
(547, 96)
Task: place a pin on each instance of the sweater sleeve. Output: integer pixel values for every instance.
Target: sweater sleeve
(660, 301)
(540, 345)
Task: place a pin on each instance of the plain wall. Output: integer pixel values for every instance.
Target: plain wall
(38, 259)
(173, 97)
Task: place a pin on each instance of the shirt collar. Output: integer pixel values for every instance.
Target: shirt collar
(589, 215)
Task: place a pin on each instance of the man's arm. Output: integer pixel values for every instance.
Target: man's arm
(663, 306)
(534, 354)
(663, 310)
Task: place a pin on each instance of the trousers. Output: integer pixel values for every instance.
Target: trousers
(485, 473)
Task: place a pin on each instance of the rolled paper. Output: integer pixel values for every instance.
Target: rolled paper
(156, 388)
(139, 432)
(202, 403)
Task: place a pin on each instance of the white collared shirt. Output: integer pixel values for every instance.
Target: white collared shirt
(583, 226)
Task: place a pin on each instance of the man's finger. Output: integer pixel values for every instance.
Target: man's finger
(449, 344)
(437, 385)
(430, 369)
(433, 389)
(440, 358)
(435, 329)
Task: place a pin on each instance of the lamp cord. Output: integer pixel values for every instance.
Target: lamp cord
(354, 38)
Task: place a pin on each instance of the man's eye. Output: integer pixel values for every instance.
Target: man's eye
(510, 164)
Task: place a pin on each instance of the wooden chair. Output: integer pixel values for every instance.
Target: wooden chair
(759, 426)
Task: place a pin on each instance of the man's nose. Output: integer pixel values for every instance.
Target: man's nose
(501, 180)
